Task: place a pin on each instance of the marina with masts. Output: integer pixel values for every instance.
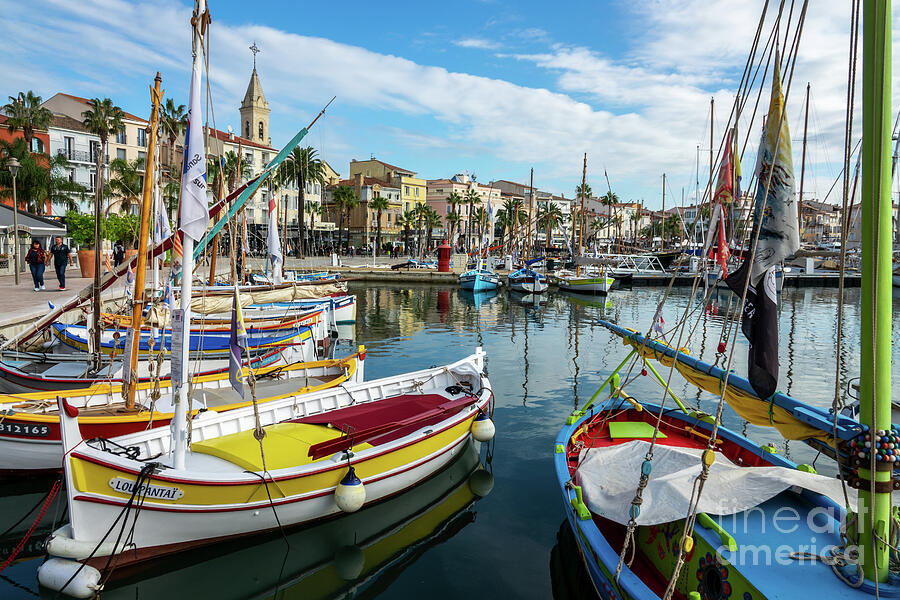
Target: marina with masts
(268, 380)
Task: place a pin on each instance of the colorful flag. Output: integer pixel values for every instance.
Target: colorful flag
(161, 227)
(722, 252)
(759, 323)
(775, 213)
(129, 281)
(658, 321)
(273, 242)
(237, 345)
(194, 209)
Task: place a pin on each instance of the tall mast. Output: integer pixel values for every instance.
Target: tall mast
(581, 213)
(140, 274)
(712, 107)
(875, 297)
(530, 214)
(180, 362)
(662, 229)
(803, 164)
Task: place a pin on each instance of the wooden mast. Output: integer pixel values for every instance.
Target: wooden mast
(581, 214)
(530, 214)
(140, 275)
(803, 165)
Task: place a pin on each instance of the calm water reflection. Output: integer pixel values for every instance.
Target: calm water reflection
(544, 356)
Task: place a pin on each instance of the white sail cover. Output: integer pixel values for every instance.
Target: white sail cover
(609, 477)
(194, 208)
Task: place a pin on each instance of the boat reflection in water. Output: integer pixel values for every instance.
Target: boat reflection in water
(356, 555)
(479, 298)
(527, 299)
(568, 576)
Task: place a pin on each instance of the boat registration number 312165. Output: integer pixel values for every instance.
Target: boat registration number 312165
(24, 429)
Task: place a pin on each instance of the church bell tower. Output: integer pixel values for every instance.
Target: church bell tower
(255, 109)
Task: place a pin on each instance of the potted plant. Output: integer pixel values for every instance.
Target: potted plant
(81, 229)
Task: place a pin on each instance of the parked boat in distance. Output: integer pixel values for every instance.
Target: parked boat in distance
(479, 280)
(527, 281)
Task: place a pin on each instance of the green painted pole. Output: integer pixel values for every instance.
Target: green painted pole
(662, 382)
(875, 310)
(608, 379)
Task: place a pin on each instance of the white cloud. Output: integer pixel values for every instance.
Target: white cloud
(479, 43)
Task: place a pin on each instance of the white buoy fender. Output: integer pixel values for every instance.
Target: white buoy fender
(483, 428)
(62, 544)
(54, 574)
(350, 493)
(349, 562)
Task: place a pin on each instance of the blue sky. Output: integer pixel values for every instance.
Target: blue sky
(489, 87)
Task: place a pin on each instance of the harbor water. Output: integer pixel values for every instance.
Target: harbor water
(488, 525)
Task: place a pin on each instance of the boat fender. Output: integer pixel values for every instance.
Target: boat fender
(56, 573)
(62, 544)
(349, 562)
(350, 493)
(481, 482)
(483, 428)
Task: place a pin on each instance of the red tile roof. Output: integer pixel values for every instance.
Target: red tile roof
(85, 101)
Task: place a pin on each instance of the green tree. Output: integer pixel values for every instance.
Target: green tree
(551, 216)
(341, 197)
(41, 179)
(313, 209)
(172, 125)
(234, 170)
(454, 200)
(126, 181)
(452, 220)
(102, 119)
(378, 204)
(587, 191)
(481, 218)
(303, 167)
(472, 198)
(25, 111)
(432, 220)
(421, 211)
(407, 221)
(502, 221)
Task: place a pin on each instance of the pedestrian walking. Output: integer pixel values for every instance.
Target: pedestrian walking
(118, 254)
(37, 260)
(62, 258)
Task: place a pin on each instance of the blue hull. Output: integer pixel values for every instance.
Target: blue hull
(478, 282)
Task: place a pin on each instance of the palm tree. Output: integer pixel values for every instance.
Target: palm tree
(587, 191)
(472, 198)
(480, 220)
(452, 220)
(172, 125)
(230, 161)
(378, 204)
(40, 181)
(454, 200)
(102, 119)
(421, 211)
(432, 220)
(302, 167)
(551, 215)
(407, 220)
(351, 203)
(126, 181)
(315, 210)
(25, 111)
(503, 221)
(512, 212)
(340, 197)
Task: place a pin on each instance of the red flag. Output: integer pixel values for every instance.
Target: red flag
(723, 253)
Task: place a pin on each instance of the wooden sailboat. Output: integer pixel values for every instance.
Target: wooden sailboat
(324, 453)
(584, 280)
(672, 504)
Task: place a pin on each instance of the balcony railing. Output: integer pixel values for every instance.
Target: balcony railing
(79, 156)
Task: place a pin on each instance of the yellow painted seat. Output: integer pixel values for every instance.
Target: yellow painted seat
(285, 445)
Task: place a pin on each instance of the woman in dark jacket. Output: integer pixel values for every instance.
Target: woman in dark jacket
(37, 260)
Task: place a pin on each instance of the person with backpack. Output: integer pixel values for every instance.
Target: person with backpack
(37, 260)
(118, 254)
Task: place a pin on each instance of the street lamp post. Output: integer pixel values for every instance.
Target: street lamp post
(13, 166)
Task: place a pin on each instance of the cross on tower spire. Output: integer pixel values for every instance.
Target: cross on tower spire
(255, 50)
